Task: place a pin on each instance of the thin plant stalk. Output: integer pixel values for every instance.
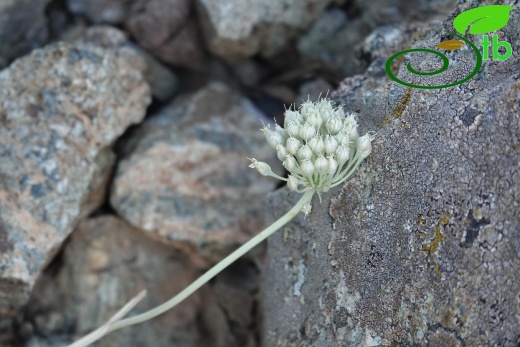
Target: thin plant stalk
(207, 276)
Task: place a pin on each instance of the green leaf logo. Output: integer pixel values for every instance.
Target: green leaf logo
(482, 20)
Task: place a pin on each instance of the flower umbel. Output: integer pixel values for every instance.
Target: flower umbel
(321, 147)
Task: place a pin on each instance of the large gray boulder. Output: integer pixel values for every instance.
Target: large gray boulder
(422, 246)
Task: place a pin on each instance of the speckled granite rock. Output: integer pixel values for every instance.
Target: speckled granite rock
(185, 178)
(61, 107)
(105, 264)
(23, 27)
(238, 29)
(422, 246)
(162, 81)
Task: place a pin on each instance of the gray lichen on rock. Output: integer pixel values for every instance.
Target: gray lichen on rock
(422, 246)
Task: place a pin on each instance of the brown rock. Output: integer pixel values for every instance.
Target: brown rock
(61, 107)
(185, 174)
(106, 263)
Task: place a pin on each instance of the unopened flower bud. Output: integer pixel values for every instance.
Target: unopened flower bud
(316, 144)
(273, 138)
(262, 167)
(293, 128)
(314, 119)
(289, 163)
(353, 137)
(333, 165)
(293, 144)
(307, 168)
(281, 131)
(304, 152)
(307, 131)
(364, 145)
(281, 152)
(325, 105)
(326, 115)
(321, 164)
(342, 154)
(292, 183)
(334, 125)
(330, 144)
(342, 138)
(307, 108)
(292, 115)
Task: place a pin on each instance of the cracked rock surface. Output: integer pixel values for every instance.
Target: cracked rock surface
(422, 246)
(62, 108)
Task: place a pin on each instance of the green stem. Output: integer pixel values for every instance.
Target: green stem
(208, 275)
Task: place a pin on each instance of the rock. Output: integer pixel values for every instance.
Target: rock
(336, 41)
(184, 177)
(163, 27)
(239, 29)
(104, 164)
(421, 246)
(106, 263)
(162, 81)
(101, 11)
(328, 42)
(61, 108)
(313, 90)
(181, 48)
(23, 27)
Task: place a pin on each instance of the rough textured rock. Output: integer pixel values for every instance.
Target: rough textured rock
(238, 29)
(162, 81)
(184, 177)
(23, 27)
(422, 246)
(106, 263)
(336, 39)
(163, 27)
(62, 106)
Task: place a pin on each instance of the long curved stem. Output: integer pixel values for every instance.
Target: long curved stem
(208, 275)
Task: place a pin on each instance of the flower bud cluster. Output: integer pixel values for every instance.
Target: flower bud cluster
(319, 145)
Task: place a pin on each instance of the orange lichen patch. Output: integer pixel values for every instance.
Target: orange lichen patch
(403, 103)
(451, 45)
(433, 246)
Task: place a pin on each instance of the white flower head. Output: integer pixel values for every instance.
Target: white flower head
(320, 147)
